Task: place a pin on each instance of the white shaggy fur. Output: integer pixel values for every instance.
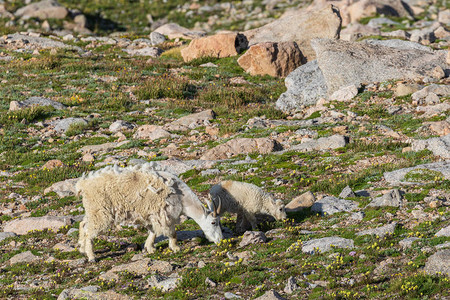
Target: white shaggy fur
(140, 194)
(246, 200)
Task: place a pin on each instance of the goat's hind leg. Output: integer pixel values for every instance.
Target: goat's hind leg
(149, 243)
(82, 237)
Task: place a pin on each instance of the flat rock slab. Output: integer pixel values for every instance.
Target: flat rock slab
(17, 40)
(147, 51)
(23, 226)
(322, 144)
(191, 121)
(242, 146)
(440, 146)
(326, 244)
(330, 205)
(305, 86)
(139, 267)
(24, 257)
(178, 166)
(83, 294)
(444, 231)
(397, 177)
(392, 198)
(173, 31)
(63, 188)
(324, 23)
(349, 63)
(380, 231)
(438, 263)
(35, 101)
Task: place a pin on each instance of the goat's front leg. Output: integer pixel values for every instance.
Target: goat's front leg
(173, 240)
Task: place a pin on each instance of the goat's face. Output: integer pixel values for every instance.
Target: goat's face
(210, 224)
(280, 211)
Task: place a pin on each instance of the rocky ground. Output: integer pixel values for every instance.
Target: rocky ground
(346, 119)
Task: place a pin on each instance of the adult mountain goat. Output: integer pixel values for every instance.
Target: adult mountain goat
(246, 200)
(144, 195)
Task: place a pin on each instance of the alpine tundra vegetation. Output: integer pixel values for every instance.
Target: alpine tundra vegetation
(338, 109)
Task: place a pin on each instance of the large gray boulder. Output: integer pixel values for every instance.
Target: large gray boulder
(305, 86)
(345, 63)
(299, 26)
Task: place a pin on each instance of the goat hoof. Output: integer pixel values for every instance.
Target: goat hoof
(175, 249)
(150, 250)
(92, 260)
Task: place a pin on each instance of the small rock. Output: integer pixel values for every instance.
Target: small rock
(303, 201)
(157, 38)
(53, 164)
(359, 216)
(347, 192)
(120, 126)
(270, 295)
(229, 295)
(392, 198)
(345, 93)
(164, 283)
(252, 237)
(407, 243)
(210, 283)
(291, 285)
